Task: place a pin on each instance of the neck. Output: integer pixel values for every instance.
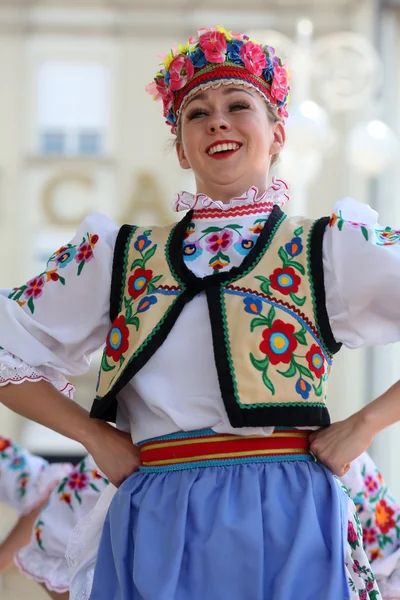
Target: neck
(225, 193)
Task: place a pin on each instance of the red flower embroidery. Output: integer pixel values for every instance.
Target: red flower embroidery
(65, 498)
(384, 516)
(94, 238)
(34, 287)
(220, 240)
(138, 282)
(369, 535)
(84, 253)
(279, 342)
(78, 481)
(370, 483)
(285, 281)
(4, 444)
(316, 360)
(351, 533)
(117, 339)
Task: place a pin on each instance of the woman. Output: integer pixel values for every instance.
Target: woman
(223, 331)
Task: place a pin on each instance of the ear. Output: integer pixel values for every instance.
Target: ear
(183, 161)
(279, 138)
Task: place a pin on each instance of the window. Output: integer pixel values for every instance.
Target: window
(73, 105)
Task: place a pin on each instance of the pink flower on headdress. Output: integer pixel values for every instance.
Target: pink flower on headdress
(253, 57)
(283, 113)
(213, 44)
(167, 100)
(237, 36)
(151, 88)
(181, 69)
(280, 84)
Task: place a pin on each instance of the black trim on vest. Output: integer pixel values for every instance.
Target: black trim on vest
(317, 279)
(117, 279)
(106, 407)
(199, 284)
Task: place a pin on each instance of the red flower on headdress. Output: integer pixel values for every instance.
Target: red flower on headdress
(280, 84)
(213, 44)
(181, 70)
(253, 57)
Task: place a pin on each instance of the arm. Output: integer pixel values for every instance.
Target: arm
(41, 402)
(341, 443)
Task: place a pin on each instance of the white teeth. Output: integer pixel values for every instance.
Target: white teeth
(223, 147)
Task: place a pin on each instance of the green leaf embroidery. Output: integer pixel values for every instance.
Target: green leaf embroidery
(104, 363)
(81, 265)
(365, 232)
(340, 224)
(61, 280)
(129, 312)
(149, 253)
(318, 389)
(96, 489)
(298, 231)
(77, 496)
(291, 372)
(82, 466)
(296, 265)
(271, 316)
(265, 283)
(260, 321)
(138, 262)
(260, 365)
(300, 336)
(283, 256)
(233, 226)
(304, 371)
(134, 321)
(211, 230)
(149, 231)
(156, 279)
(31, 305)
(268, 383)
(297, 300)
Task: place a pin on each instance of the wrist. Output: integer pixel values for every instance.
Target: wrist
(368, 420)
(93, 434)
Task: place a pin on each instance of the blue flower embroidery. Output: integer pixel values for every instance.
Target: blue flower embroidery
(192, 251)
(65, 257)
(294, 247)
(303, 388)
(17, 463)
(244, 246)
(253, 305)
(146, 303)
(142, 243)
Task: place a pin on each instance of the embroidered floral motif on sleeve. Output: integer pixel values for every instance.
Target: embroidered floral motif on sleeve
(141, 283)
(33, 289)
(13, 459)
(78, 481)
(384, 237)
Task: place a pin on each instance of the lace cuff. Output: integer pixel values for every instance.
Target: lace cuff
(15, 371)
(49, 570)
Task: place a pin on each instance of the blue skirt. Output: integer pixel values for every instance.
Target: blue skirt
(269, 530)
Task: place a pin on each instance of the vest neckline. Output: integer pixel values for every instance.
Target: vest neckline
(197, 284)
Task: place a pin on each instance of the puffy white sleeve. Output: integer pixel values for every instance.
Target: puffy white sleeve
(51, 325)
(361, 261)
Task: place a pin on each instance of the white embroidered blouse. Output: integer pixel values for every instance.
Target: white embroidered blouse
(50, 326)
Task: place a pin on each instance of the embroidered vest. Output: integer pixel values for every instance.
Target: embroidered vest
(273, 345)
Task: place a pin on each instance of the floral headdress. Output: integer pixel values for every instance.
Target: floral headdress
(216, 55)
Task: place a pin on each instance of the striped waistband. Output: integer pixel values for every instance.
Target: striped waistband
(205, 448)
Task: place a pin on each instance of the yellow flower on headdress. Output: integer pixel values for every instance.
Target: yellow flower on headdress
(183, 49)
(227, 34)
(168, 60)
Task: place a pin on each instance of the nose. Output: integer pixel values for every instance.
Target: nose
(217, 124)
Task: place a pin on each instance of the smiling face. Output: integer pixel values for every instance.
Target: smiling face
(228, 139)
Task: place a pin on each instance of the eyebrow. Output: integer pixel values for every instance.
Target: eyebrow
(226, 91)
